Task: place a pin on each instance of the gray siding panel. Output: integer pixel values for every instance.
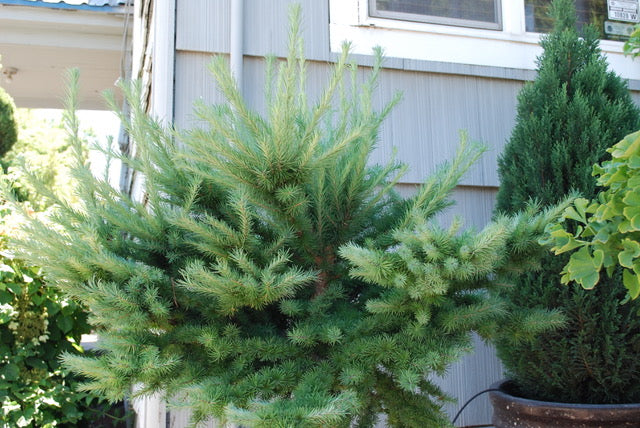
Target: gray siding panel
(203, 26)
(180, 417)
(474, 372)
(151, 411)
(468, 69)
(267, 27)
(473, 204)
(424, 128)
(193, 82)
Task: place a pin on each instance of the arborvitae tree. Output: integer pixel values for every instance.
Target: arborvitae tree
(567, 118)
(270, 276)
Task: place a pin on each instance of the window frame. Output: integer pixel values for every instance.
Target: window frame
(373, 12)
(419, 44)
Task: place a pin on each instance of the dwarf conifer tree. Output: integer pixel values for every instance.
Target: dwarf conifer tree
(274, 277)
(567, 118)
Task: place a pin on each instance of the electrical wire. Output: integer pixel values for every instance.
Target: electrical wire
(469, 401)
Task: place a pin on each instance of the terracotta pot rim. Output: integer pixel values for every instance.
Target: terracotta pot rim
(500, 393)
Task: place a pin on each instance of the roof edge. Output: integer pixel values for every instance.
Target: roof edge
(63, 6)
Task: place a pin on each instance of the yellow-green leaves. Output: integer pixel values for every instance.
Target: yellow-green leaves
(632, 282)
(579, 210)
(606, 231)
(632, 46)
(630, 252)
(563, 240)
(584, 268)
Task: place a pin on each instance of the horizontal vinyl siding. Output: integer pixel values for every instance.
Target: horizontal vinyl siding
(193, 82)
(425, 127)
(203, 26)
(180, 419)
(423, 130)
(472, 373)
(473, 204)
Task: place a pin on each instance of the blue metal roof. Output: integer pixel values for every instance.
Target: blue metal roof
(95, 5)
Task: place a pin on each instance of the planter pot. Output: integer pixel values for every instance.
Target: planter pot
(515, 412)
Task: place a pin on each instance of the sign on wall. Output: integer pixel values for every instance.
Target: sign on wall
(618, 28)
(624, 10)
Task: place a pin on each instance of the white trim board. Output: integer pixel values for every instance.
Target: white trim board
(42, 43)
(510, 48)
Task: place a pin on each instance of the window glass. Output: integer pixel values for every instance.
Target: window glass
(468, 13)
(614, 24)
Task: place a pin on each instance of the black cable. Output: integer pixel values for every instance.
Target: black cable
(470, 400)
(477, 426)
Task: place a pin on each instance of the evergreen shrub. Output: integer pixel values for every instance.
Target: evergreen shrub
(566, 119)
(270, 276)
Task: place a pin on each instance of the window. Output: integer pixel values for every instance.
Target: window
(613, 18)
(465, 13)
(458, 35)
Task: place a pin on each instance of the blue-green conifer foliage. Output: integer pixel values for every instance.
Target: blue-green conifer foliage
(270, 276)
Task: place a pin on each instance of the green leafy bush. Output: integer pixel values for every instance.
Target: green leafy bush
(8, 125)
(608, 232)
(567, 119)
(37, 324)
(273, 277)
(632, 46)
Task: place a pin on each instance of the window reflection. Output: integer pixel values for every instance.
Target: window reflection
(471, 13)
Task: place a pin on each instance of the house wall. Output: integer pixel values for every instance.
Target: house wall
(512, 46)
(439, 101)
